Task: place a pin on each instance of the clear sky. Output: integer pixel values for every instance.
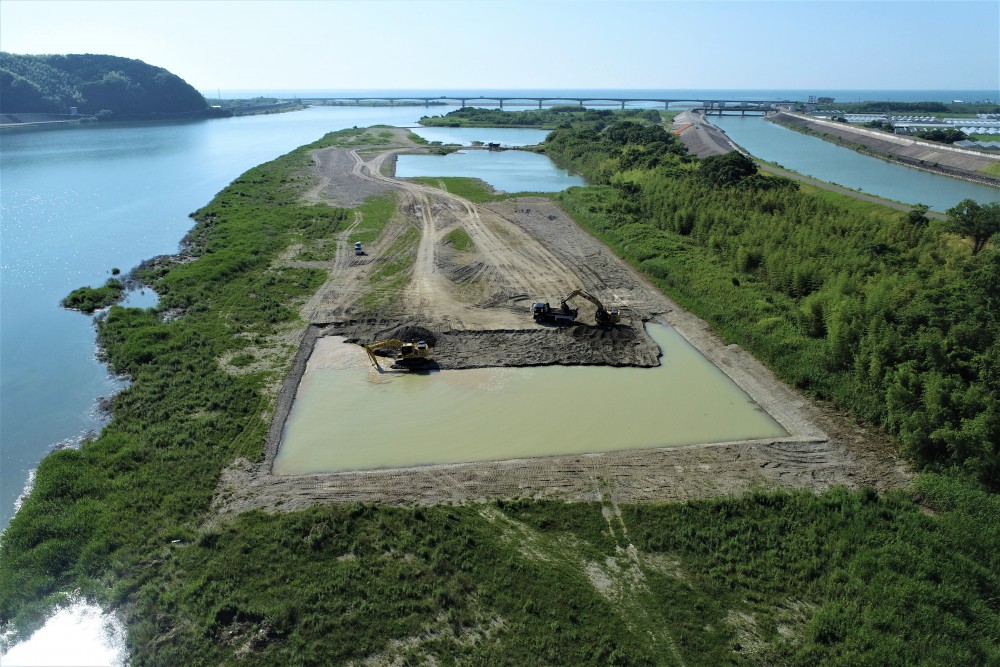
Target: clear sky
(504, 44)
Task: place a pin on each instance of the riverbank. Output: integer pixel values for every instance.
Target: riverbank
(945, 160)
(36, 121)
(705, 140)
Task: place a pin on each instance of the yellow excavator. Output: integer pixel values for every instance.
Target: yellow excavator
(604, 317)
(410, 355)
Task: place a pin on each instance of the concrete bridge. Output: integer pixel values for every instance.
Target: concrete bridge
(711, 106)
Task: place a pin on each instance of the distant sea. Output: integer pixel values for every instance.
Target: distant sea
(597, 93)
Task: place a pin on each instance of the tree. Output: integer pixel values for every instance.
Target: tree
(728, 169)
(918, 215)
(979, 222)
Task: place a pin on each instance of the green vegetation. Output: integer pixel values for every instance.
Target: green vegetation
(769, 578)
(107, 86)
(541, 118)
(387, 283)
(89, 299)
(893, 320)
(460, 240)
(472, 189)
(985, 137)
(948, 136)
(979, 222)
(256, 106)
(795, 578)
(928, 108)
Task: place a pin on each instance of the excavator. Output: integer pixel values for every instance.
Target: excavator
(604, 317)
(410, 355)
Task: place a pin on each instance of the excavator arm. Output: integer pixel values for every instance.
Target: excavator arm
(378, 345)
(603, 315)
(407, 351)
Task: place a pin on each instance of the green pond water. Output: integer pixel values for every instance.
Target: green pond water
(346, 416)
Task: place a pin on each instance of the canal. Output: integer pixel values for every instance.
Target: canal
(828, 162)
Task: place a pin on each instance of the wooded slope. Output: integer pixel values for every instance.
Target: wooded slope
(92, 83)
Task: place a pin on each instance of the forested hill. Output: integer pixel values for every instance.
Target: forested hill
(108, 86)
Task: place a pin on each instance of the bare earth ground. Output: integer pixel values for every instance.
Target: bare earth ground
(474, 307)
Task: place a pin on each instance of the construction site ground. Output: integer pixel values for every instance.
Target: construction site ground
(474, 307)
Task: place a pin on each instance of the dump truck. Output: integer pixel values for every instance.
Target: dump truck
(543, 312)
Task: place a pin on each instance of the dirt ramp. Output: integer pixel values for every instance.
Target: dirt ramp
(575, 345)
(566, 346)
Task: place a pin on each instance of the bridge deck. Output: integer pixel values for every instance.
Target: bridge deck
(713, 104)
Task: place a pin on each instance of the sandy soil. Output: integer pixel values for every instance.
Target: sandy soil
(474, 308)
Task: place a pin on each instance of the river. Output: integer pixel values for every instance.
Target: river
(829, 162)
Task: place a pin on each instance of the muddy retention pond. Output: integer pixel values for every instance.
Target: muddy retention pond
(347, 416)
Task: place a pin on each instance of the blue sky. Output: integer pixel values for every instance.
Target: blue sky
(498, 44)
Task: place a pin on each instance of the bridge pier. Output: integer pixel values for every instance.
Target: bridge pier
(501, 105)
(463, 103)
(623, 105)
(539, 104)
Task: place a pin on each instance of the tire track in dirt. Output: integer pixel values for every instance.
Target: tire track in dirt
(518, 263)
(529, 248)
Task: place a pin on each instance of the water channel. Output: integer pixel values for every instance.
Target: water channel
(347, 416)
(829, 162)
(510, 171)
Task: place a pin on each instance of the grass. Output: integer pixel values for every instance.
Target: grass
(770, 578)
(460, 240)
(89, 299)
(473, 189)
(993, 169)
(387, 282)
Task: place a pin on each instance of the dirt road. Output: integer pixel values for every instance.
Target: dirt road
(474, 306)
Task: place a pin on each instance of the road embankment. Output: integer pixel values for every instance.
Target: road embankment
(941, 159)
